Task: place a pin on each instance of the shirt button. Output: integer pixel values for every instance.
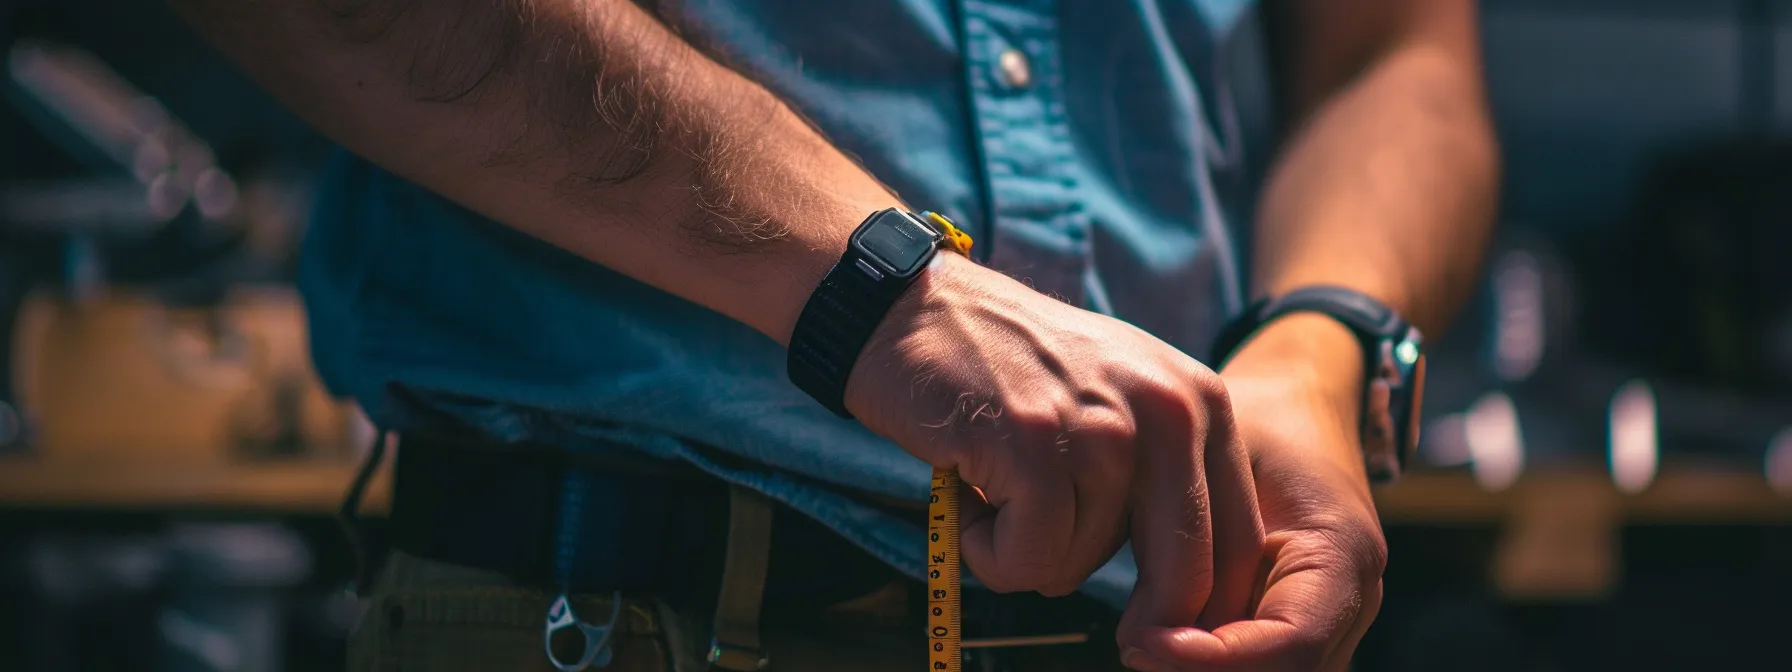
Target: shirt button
(1016, 72)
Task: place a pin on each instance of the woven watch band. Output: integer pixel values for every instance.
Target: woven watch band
(848, 304)
(834, 326)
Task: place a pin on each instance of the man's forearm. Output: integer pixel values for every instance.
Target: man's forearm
(1389, 186)
(584, 123)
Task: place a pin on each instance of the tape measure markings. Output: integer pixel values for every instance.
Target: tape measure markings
(944, 606)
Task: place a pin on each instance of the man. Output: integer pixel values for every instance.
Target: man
(705, 165)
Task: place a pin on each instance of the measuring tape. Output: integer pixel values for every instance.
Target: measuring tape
(944, 609)
(943, 599)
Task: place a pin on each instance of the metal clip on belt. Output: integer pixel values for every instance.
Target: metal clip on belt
(597, 637)
(734, 644)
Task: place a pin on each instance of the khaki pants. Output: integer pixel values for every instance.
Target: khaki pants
(428, 615)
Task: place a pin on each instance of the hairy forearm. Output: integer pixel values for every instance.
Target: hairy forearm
(587, 124)
(1389, 188)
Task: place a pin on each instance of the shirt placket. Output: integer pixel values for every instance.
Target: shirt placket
(1038, 231)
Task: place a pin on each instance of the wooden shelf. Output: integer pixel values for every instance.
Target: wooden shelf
(284, 487)
(1684, 496)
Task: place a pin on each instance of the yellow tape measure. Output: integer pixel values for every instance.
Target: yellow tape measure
(943, 607)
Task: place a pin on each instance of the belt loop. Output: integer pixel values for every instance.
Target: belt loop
(735, 641)
(349, 515)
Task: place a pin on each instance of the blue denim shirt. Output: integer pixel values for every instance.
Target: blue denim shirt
(1078, 139)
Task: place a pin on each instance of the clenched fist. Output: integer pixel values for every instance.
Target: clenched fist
(1073, 431)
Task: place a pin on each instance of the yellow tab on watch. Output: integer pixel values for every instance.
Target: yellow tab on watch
(956, 238)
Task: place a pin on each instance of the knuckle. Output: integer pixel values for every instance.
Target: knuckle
(1198, 375)
(1375, 562)
(1169, 389)
(1205, 388)
(1032, 423)
(1195, 398)
(1210, 392)
(1171, 404)
(1355, 544)
(1365, 551)
(1103, 437)
(1104, 425)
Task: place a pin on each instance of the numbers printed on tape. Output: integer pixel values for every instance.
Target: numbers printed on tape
(943, 607)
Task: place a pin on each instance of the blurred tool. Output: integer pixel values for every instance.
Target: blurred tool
(77, 586)
(126, 379)
(1635, 439)
(172, 370)
(195, 598)
(1498, 402)
(146, 168)
(1495, 441)
(229, 584)
(13, 423)
(1520, 325)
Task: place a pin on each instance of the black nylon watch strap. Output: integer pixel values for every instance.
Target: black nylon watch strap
(833, 327)
(883, 257)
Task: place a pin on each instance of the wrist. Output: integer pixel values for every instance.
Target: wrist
(1309, 355)
(891, 256)
(940, 284)
(801, 267)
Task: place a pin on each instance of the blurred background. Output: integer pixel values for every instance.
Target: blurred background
(1608, 435)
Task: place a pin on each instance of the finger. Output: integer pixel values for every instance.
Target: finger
(975, 511)
(1238, 558)
(1017, 541)
(1171, 527)
(1100, 449)
(1307, 614)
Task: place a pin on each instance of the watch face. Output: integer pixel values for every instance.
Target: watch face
(897, 241)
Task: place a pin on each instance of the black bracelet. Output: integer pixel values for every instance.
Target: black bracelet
(1393, 366)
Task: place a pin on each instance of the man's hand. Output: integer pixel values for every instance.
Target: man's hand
(1073, 428)
(1386, 185)
(1294, 391)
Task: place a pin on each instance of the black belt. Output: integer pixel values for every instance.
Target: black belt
(658, 530)
(648, 528)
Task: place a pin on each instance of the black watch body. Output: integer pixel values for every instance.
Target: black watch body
(1393, 366)
(882, 259)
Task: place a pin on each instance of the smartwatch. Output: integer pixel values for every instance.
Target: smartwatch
(1393, 366)
(883, 257)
